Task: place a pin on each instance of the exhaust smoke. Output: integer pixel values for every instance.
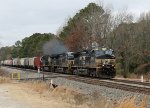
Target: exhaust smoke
(54, 47)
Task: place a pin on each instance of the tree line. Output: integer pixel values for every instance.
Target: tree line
(29, 46)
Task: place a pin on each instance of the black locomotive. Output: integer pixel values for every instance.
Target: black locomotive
(96, 63)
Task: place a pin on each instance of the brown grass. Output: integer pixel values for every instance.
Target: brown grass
(98, 101)
(127, 103)
(2, 73)
(4, 80)
(77, 98)
(143, 104)
(69, 95)
(38, 86)
(131, 103)
(65, 94)
(133, 76)
(3, 77)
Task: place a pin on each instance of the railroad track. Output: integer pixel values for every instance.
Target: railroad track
(127, 85)
(132, 82)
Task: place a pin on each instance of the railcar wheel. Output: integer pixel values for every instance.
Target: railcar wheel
(92, 73)
(53, 70)
(75, 72)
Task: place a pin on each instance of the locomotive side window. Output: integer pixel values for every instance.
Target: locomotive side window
(70, 55)
(109, 52)
(99, 53)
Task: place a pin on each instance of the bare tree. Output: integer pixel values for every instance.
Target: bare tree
(144, 16)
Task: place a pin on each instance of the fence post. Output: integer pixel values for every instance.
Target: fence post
(12, 76)
(142, 79)
(19, 75)
(39, 72)
(43, 75)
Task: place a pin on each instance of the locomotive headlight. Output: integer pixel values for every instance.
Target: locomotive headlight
(113, 65)
(103, 65)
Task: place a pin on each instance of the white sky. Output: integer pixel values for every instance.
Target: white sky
(22, 18)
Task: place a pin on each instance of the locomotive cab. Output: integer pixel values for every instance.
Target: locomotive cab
(105, 63)
(70, 58)
(84, 58)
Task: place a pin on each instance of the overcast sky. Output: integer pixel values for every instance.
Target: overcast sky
(21, 18)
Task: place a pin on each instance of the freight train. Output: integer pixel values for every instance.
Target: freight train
(94, 63)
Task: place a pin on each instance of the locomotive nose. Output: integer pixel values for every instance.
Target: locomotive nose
(106, 62)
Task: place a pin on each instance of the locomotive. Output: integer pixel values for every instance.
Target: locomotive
(94, 63)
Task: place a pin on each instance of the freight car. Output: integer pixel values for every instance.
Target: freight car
(97, 63)
(24, 62)
(16, 62)
(35, 63)
(2, 62)
(32, 63)
(8, 62)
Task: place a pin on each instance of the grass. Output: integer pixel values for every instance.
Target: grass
(4, 77)
(38, 86)
(69, 95)
(77, 98)
(2, 73)
(143, 104)
(98, 101)
(127, 103)
(131, 103)
(4, 80)
(65, 94)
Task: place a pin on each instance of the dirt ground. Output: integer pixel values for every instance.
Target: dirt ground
(18, 95)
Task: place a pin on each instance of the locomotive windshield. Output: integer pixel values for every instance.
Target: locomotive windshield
(70, 55)
(109, 52)
(104, 54)
(99, 53)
